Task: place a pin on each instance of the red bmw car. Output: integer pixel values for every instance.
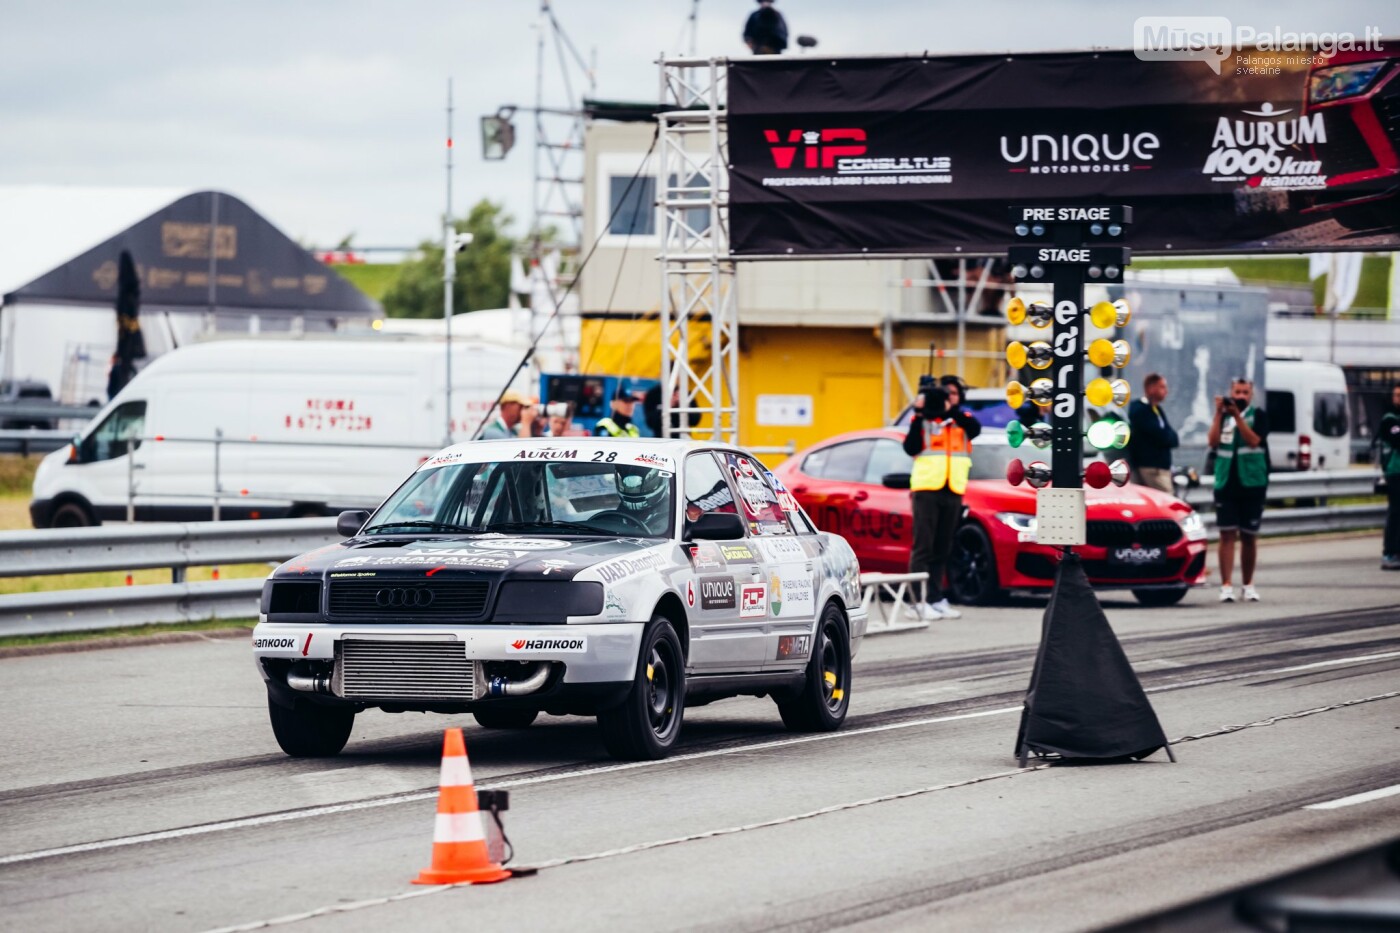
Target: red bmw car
(1138, 538)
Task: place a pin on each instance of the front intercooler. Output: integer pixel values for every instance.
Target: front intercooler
(402, 669)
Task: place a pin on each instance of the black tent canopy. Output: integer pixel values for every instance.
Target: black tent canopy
(206, 251)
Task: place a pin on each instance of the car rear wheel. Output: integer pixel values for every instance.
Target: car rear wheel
(972, 567)
(646, 725)
(821, 704)
(504, 718)
(1164, 597)
(307, 730)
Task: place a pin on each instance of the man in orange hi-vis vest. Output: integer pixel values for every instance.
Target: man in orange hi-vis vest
(940, 441)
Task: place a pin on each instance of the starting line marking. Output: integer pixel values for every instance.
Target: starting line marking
(1378, 794)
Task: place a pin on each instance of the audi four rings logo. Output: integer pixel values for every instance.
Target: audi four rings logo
(404, 597)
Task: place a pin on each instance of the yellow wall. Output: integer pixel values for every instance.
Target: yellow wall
(841, 368)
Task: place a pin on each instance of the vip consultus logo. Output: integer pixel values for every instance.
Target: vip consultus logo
(820, 148)
(845, 149)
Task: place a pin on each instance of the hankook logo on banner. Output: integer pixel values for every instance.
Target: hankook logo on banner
(844, 150)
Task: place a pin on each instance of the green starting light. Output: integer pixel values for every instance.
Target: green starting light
(1100, 434)
(1015, 434)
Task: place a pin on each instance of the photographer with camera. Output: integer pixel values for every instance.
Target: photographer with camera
(1236, 437)
(940, 441)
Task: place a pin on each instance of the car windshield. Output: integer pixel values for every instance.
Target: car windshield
(531, 496)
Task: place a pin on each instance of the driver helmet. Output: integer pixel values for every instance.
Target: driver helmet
(639, 489)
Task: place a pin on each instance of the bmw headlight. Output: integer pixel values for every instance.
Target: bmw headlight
(1342, 81)
(1192, 525)
(1018, 522)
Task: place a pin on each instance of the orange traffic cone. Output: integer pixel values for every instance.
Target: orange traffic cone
(459, 838)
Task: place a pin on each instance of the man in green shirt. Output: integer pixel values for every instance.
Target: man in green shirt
(1237, 436)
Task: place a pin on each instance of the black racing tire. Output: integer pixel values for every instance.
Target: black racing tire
(972, 567)
(307, 730)
(647, 724)
(72, 515)
(1167, 597)
(504, 718)
(824, 699)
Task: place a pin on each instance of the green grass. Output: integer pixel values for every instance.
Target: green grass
(373, 279)
(130, 631)
(17, 474)
(1289, 270)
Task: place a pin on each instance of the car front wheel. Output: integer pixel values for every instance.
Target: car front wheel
(307, 730)
(972, 567)
(647, 724)
(821, 704)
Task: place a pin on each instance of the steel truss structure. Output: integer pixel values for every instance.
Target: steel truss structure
(697, 275)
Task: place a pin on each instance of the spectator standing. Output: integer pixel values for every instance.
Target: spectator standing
(515, 418)
(1153, 438)
(940, 441)
(619, 424)
(765, 31)
(1388, 437)
(1237, 435)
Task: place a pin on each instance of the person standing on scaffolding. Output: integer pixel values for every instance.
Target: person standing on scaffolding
(766, 32)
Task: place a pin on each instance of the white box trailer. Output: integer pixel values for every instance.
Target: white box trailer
(268, 428)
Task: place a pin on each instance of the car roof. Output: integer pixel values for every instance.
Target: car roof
(635, 449)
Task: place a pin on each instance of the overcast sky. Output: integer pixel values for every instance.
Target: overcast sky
(328, 117)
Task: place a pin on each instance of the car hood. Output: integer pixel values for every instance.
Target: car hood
(524, 557)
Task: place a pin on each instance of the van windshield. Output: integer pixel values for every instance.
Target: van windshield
(534, 497)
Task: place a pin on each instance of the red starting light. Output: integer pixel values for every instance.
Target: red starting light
(1097, 474)
(1015, 472)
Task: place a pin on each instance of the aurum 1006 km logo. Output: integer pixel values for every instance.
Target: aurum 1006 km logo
(1252, 148)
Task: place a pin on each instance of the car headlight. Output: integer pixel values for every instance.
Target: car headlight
(547, 601)
(1342, 81)
(1018, 521)
(1192, 525)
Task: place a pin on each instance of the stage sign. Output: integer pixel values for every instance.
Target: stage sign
(922, 155)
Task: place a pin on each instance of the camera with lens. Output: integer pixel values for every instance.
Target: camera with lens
(557, 410)
(935, 397)
(1227, 403)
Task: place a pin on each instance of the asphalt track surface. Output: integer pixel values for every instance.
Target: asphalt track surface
(142, 789)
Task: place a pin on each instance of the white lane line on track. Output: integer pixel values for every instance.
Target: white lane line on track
(1357, 660)
(430, 793)
(1379, 793)
(783, 820)
(638, 847)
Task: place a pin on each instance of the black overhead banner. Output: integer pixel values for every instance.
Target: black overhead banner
(923, 155)
(206, 250)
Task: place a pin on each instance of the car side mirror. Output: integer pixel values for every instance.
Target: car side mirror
(348, 524)
(715, 526)
(895, 480)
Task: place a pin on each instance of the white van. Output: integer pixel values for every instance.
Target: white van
(267, 428)
(1307, 406)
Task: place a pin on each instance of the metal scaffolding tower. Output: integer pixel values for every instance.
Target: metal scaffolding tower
(697, 275)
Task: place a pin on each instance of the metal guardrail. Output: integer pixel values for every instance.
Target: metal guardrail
(26, 441)
(176, 545)
(180, 545)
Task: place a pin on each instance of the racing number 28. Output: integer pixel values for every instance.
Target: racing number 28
(598, 455)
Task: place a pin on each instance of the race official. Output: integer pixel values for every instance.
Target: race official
(1388, 438)
(619, 423)
(1237, 437)
(940, 441)
(1152, 439)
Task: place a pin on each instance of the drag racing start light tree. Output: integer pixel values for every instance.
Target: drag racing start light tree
(1084, 700)
(1067, 248)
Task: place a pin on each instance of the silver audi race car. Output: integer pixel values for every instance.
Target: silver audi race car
(623, 579)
